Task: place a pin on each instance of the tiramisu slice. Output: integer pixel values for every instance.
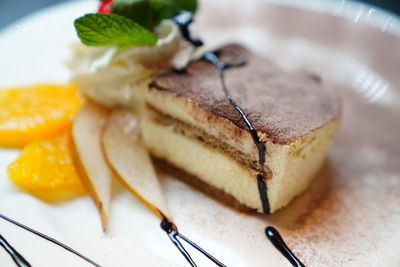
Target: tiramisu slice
(190, 124)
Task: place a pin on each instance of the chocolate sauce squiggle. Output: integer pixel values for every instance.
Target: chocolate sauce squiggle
(262, 191)
(48, 238)
(19, 260)
(212, 57)
(272, 234)
(173, 234)
(184, 20)
(276, 239)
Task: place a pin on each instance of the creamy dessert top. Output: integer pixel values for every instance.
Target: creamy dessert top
(282, 106)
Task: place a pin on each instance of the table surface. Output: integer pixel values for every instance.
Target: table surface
(12, 10)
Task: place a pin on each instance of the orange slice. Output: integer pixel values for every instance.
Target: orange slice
(46, 169)
(35, 112)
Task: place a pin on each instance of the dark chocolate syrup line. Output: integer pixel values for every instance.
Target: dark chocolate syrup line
(276, 239)
(54, 241)
(205, 253)
(212, 57)
(272, 234)
(184, 20)
(262, 191)
(173, 234)
(19, 260)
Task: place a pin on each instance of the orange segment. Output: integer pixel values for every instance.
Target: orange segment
(46, 169)
(35, 112)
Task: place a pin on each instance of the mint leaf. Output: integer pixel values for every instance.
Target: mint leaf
(111, 29)
(149, 13)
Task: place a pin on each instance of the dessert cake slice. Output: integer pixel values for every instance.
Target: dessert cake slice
(190, 124)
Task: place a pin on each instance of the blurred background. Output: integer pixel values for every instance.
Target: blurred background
(11, 10)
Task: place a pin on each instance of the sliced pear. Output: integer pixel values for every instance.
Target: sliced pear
(129, 158)
(97, 176)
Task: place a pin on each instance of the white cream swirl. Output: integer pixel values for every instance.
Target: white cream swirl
(115, 77)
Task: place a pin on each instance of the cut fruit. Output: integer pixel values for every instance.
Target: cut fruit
(46, 169)
(129, 158)
(96, 174)
(35, 112)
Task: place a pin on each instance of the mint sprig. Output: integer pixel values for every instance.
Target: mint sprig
(112, 29)
(131, 22)
(149, 13)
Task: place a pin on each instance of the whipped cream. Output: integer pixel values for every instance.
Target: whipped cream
(111, 75)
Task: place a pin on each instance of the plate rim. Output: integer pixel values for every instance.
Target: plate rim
(359, 12)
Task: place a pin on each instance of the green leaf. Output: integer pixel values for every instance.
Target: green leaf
(149, 13)
(111, 29)
(172, 7)
(138, 10)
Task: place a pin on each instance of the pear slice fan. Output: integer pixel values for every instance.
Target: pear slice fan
(97, 176)
(108, 146)
(130, 160)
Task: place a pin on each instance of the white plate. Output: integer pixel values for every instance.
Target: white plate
(350, 215)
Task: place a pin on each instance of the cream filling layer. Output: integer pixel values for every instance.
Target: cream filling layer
(293, 165)
(206, 163)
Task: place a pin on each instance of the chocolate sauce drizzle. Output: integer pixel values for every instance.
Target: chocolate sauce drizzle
(276, 239)
(272, 234)
(54, 241)
(212, 57)
(173, 234)
(17, 258)
(184, 20)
